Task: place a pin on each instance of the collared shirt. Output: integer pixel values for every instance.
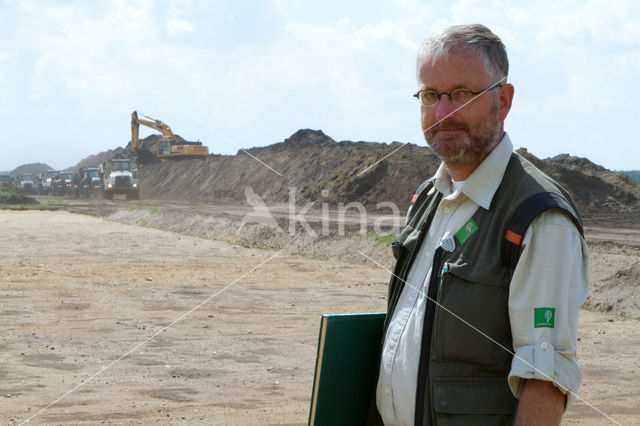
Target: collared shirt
(552, 271)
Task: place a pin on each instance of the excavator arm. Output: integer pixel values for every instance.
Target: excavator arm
(152, 123)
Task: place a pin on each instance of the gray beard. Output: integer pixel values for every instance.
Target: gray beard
(483, 139)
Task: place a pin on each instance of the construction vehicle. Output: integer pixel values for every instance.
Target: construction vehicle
(64, 184)
(88, 181)
(7, 183)
(26, 184)
(119, 177)
(47, 179)
(168, 146)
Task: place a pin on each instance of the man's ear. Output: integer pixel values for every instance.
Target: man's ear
(505, 97)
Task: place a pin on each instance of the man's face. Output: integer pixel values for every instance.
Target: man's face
(466, 136)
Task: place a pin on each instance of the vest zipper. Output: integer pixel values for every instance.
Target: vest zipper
(427, 331)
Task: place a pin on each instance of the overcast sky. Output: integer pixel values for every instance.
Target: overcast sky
(250, 73)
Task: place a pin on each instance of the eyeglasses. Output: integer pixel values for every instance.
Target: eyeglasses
(459, 96)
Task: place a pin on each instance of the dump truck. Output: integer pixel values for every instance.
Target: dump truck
(88, 181)
(64, 184)
(26, 184)
(119, 176)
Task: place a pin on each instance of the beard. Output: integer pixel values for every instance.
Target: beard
(465, 149)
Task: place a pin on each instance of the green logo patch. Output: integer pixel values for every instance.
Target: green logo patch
(467, 230)
(544, 317)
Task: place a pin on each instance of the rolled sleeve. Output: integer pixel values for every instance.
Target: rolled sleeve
(543, 362)
(553, 273)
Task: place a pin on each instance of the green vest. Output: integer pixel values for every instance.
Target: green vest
(462, 377)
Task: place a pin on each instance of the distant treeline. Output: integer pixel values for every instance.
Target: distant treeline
(633, 174)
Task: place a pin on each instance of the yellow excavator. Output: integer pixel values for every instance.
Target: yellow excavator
(168, 145)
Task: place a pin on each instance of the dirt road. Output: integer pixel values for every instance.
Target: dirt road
(114, 323)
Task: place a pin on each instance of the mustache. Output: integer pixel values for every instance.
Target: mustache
(449, 125)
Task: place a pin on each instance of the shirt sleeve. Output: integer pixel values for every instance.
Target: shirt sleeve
(549, 285)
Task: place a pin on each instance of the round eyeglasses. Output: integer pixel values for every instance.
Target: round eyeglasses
(458, 96)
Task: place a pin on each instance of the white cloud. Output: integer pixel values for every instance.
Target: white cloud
(256, 77)
(177, 24)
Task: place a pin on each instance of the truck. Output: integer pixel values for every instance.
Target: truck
(64, 185)
(88, 182)
(168, 146)
(26, 184)
(119, 176)
(47, 179)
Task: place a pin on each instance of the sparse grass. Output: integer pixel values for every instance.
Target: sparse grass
(56, 203)
(157, 211)
(386, 239)
(320, 186)
(259, 247)
(10, 200)
(28, 207)
(12, 197)
(129, 209)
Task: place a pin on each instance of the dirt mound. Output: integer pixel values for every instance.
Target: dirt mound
(319, 169)
(31, 169)
(618, 293)
(594, 188)
(145, 154)
(309, 164)
(96, 159)
(312, 167)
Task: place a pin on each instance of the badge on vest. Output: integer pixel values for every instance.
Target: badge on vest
(544, 317)
(467, 230)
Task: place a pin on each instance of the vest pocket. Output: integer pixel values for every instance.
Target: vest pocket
(473, 400)
(484, 309)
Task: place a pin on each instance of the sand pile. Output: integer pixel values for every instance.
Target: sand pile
(321, 169)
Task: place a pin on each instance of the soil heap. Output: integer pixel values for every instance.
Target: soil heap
(316, 168)
(31, 169)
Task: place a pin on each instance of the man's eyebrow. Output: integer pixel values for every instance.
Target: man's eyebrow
(453, 87)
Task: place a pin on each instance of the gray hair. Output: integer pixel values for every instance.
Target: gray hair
(476, 38)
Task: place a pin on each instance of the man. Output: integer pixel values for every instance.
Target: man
(475, 336)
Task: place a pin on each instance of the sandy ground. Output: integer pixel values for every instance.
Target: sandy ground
(111, 323)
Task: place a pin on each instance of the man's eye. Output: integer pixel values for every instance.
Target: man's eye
(430, 95)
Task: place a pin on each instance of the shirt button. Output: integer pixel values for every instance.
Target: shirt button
(544, 345)
(410, 299)
(386, 391)
(427, 254)
(446, 209)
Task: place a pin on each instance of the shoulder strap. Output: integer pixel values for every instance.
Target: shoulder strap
(420, 194)
(423, 185)
(526, 212)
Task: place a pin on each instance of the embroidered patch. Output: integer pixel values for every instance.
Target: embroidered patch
(467, 230)
(544, 317)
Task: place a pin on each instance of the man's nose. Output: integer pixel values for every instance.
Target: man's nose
(445, 108)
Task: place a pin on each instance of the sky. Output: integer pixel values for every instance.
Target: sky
(239, 74)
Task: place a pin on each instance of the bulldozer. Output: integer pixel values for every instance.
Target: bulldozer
(168, 146)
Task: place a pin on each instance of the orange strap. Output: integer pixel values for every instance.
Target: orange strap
(513, 237)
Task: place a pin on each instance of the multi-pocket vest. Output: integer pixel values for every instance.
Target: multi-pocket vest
(467, 346)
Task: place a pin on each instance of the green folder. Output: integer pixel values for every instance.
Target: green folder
(346, 368)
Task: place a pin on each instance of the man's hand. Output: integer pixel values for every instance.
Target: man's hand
(541, 403)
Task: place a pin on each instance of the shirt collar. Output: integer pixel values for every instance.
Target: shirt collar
(483, 183)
